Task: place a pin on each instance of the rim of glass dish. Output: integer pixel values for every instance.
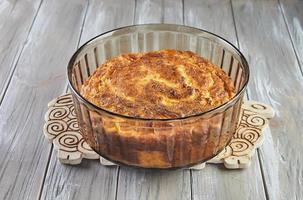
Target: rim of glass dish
(213, 110)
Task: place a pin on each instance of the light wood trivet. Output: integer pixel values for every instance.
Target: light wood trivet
(61, 128)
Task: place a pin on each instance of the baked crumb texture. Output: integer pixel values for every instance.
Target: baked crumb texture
(161, 84)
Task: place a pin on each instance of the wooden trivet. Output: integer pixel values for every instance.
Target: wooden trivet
(62, 129)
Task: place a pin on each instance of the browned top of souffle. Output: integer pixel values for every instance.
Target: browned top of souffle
(160, 85)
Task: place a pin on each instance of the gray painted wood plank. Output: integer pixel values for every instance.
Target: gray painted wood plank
(39, 76)
(16, 18)
(276, 80)
(154, 184)
(173, 11)
(106, 15)
(159, 11)
(90, 180)
(215, 182)
(293, 13)
(211, 15)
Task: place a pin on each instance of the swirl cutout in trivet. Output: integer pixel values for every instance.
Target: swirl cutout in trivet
(61, 127)
(248, 136)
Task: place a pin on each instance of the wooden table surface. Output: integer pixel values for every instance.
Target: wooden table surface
(37, 38)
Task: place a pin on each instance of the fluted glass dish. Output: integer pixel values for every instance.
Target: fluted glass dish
(157, 143)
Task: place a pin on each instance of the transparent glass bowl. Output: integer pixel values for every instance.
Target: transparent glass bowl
(157, 143)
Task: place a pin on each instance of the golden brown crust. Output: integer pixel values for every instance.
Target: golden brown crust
(159, 84)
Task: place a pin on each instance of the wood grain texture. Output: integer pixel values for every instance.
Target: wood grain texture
(276, 80)
(16, 18)
(292, 11)
(159, 11)
(153, 184)
(149, 184)
(39, 76)
(106, 15)
(214, 182)
(90, 180)
(212, 15)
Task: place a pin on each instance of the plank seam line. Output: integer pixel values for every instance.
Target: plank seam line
(191, 184)
(117, 182)
(183, 10)
(234, 21)
(135, 9)
(248, 97)
(65, 89)
(290, 36)
(45, 172)
(82, 26)
(17, 58)
(262, 174)
(162, 11)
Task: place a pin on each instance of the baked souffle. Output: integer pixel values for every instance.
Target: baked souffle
(162, 84)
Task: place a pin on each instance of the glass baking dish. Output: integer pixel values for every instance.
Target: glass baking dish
(157, 143)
